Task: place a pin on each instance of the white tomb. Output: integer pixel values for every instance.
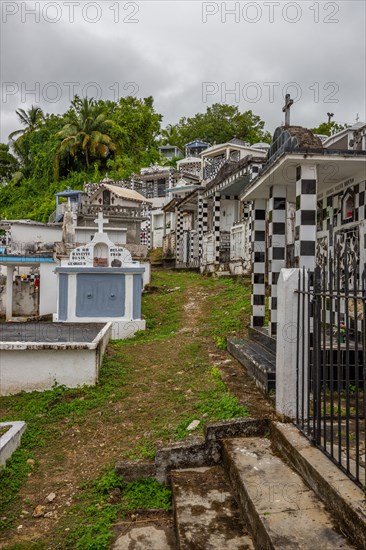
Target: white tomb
(100, 283)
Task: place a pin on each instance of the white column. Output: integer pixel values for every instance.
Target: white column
(291, 356)
(9, 292)
(47, 289)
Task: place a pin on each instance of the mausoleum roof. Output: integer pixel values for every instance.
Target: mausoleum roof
(124, 193)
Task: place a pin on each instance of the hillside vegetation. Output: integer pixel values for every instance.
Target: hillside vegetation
(52, 152)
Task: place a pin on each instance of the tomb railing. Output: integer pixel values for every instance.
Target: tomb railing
(115, 210)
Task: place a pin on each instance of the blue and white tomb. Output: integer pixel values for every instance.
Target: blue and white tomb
(99, 283)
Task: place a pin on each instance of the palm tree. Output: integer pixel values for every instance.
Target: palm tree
(86, 132)
(31, 120)
(170, 135)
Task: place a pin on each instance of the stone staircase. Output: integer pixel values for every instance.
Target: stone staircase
(258, 355)
(261, 490)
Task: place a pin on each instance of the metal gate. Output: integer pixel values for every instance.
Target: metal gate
(331, 370)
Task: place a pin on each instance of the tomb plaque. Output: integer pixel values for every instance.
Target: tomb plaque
(100, 262)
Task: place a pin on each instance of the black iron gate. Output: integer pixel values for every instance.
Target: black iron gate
(331, 370)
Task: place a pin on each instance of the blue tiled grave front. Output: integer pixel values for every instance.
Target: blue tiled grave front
(100, 295)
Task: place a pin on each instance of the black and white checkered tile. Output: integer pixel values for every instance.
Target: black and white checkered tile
(305, 219)
(258, 225)
(216, 225)
(276, 246)
(179, 235)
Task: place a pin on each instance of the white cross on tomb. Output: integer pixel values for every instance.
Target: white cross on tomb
(100, 221)
(286, 109)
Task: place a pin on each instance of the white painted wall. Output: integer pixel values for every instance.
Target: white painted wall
(84, 235)
(36, 367)
(286, 347)
(23, 233)
(47, 289)
(146, 277)
(157, 238)
(31, 370)
(228, 214)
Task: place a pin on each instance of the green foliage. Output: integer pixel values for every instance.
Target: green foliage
(218, 124)
(148, 494)
(329, 128)
(86, 135)
(8, 164)
(59, 151)
(108, 481)
(220, 342)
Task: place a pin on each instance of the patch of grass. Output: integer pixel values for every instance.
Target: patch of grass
(12, 478)
(43, 411)
(3, 430)
(95, 515)
(147, 494)
(27, 546)
(220, 342)
(228, 310)
(162, 308)
(145, 449)
(213, 405)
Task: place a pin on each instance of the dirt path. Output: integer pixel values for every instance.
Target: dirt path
(161, 376)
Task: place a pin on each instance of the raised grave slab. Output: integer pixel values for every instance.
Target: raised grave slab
(10, 439)
(35, 356)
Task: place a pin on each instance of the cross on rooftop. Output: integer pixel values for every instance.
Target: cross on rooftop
(286, 109)
(100, 221)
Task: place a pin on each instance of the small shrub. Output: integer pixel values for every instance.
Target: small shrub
(220, 342)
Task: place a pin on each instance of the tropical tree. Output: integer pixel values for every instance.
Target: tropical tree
(170, 135)
(329, 128)
(86, 133)
(8, 164)
(221, 123)
(31, 120)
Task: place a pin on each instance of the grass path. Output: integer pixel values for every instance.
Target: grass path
(150, 389)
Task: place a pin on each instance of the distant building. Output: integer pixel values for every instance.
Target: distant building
(170, 152)
(190, 165)
(195, 148)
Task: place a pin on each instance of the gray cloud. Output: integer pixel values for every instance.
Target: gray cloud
(170, 53)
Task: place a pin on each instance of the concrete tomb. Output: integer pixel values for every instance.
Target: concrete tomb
(100, 283)
(35, 356)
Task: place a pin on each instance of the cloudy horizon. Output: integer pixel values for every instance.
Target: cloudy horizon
(187, 55)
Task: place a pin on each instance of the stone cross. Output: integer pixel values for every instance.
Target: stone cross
(286, 109)
(100, 221)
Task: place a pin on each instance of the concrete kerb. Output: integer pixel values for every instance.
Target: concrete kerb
(10, 441)
(193, 452)
(342, 498)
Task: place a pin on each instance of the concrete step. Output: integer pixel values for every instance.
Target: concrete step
(281, 511)
(206, 514)
(260, 335)
(146, 537)
(259, 361)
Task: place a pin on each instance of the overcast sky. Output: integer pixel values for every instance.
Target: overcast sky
(187, 55)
